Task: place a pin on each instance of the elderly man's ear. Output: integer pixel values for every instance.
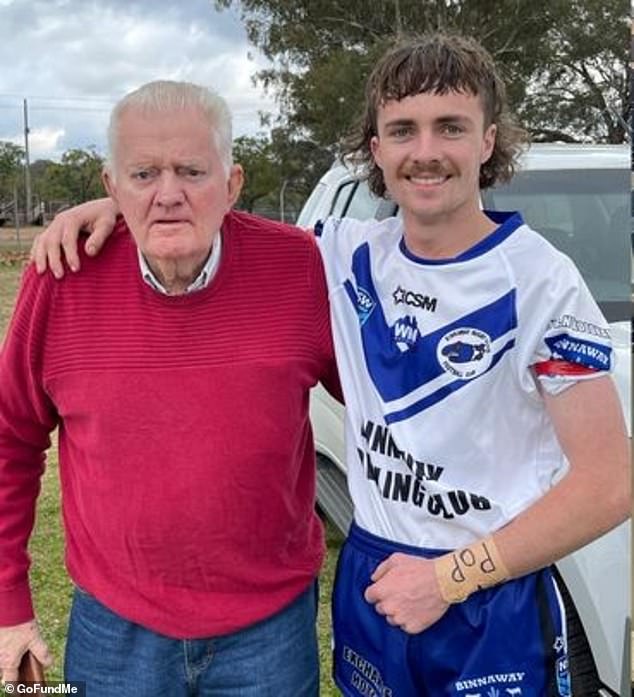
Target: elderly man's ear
(108, 183)
(234, 184)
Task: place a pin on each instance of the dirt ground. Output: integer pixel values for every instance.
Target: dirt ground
(9, 238)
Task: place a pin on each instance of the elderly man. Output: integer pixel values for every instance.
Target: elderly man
(178, 368)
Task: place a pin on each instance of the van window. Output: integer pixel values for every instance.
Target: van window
(340, 204)
(363, 204)
(312, 206)
(586, 214)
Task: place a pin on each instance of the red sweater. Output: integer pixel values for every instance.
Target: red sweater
(186, 454)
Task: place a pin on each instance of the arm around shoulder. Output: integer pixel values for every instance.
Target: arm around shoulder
(59, 240)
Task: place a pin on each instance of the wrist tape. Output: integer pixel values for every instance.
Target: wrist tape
(469, 569)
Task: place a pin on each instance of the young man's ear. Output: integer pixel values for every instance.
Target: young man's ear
(375, 149)
(488, 143)
(234, 184)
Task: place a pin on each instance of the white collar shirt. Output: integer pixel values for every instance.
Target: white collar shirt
(201, 281)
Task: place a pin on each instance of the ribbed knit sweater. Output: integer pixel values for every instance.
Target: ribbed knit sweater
(186, 454)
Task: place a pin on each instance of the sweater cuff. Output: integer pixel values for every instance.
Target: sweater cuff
(16, 605)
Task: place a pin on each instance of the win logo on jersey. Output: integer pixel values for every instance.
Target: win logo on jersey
(405, 333)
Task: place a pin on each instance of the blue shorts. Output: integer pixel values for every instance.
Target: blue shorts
(501, 642)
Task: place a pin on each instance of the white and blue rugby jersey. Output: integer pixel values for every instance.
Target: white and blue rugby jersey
(447, 437)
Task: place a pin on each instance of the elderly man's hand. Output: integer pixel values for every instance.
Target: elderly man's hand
(406, 592)
(96, 217)
(15, 642)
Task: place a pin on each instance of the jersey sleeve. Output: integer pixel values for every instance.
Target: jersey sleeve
(337, 239)
(322, 327)
(331, 239)
(569, 338)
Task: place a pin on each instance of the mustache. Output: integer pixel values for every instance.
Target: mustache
(433, 168)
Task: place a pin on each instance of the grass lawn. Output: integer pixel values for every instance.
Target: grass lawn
(49, 581)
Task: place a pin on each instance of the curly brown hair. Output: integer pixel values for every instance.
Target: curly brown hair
(437, 63)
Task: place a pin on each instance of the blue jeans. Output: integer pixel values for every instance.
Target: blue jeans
(277, 657)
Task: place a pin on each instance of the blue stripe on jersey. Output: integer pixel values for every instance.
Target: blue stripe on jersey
(508, 222)
(443, 392)
(394, 372)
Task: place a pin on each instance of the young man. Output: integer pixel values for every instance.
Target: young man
(475, 421)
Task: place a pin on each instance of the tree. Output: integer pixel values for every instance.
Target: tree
(11, 164)
(583, 91)
(261, 174)
(75, 179)
(301, 162)
(563, 60)
(44, 185)
(280, 171)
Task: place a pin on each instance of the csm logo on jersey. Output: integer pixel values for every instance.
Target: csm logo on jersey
(407, 297)
(464, 352)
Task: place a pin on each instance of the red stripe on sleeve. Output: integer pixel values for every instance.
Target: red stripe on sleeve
(554, 367)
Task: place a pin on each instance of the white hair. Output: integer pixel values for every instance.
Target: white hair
(168, 95)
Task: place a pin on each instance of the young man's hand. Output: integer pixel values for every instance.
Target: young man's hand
(96, 217)
(406, 592)
(15, 642)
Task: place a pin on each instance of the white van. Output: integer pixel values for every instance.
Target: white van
(578, 197)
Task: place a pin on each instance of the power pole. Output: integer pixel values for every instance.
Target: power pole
(27, 167)
(16, 214)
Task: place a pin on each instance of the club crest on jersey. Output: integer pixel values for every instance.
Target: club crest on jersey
(465, 352)
(365, 305)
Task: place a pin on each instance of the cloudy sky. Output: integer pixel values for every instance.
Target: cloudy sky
(72, 59)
